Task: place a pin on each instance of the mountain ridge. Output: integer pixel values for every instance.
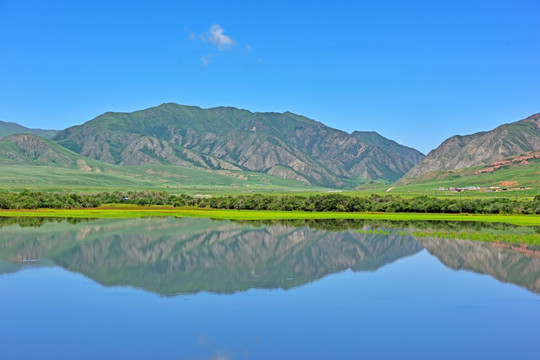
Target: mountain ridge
(482, 148)
(10, 128)
(285, 145)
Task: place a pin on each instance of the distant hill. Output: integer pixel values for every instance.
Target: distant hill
(9, 128)
(285, 145)
(29, 149)
(482, 148)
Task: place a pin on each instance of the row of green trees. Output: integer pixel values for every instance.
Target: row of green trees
(374, 203)
(322, 202)
(41, 200)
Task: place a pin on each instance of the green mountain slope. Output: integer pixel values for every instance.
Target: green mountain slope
(29, 149)
(372, 138)
(30, 161)
(285, 145)
(9, 128)
(482, 148)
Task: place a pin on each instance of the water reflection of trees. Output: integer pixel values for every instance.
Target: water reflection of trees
(24, 221)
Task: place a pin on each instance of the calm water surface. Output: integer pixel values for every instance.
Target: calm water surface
(203, 289)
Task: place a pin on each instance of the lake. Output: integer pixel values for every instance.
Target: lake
(181, 288)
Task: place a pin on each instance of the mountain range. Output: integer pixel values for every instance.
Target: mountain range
(285, 145)
(230, 142)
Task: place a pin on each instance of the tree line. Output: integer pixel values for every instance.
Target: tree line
(319, 202)
(373, 203)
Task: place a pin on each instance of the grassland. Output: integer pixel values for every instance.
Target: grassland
(173, 179)
(527, 176)
(512, 177)
(192, 181)
(165, 211)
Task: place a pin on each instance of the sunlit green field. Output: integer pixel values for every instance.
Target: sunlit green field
(136, 211)
(173, 179)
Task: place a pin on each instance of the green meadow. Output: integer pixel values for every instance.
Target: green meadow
(512, 178)
(192, 181)
(160, 211)
(173, 179)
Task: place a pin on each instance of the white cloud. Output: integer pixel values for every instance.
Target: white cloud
(206, 59)
(218, 38)
(215, 36)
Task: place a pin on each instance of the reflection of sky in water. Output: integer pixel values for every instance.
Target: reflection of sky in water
(414, 308)
(401, 302)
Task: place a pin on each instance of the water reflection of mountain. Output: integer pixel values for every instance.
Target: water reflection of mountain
(347, 224)
(171, 256)
(487, 258)
(6, 267)
(176, 256)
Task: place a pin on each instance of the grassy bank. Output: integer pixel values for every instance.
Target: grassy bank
(145, 211)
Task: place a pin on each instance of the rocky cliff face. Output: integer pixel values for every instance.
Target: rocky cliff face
(284, 145)
(482, 148)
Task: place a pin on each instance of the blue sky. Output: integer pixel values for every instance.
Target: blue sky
(415, 71)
